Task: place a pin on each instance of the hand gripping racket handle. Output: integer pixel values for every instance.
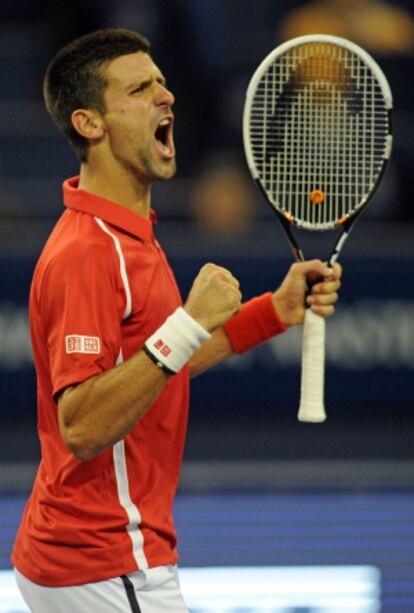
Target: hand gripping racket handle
(311, 407)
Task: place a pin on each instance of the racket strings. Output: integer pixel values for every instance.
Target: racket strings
(318, 122)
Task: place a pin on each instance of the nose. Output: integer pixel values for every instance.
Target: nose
(163, 96)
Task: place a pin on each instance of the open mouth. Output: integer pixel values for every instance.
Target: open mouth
(164, 138)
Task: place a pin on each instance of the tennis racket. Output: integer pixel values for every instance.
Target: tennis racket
(317, 137)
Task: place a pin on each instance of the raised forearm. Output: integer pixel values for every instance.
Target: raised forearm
(96, 414)
(99, 412)
(214, 351)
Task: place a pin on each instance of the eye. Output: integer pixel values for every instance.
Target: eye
(140, 88)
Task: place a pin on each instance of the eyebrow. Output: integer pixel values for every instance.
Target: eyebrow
(144, 82)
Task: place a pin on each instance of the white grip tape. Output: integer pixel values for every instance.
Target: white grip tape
(311, 407)
(176, 340)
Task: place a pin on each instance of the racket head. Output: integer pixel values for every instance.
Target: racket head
(317, 129)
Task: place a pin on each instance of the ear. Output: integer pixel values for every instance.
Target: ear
(88, 124)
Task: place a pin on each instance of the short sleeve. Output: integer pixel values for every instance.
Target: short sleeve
(82, 301)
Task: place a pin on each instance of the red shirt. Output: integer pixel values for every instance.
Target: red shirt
(101, 287)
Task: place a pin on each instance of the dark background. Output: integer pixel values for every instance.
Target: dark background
(208, 50)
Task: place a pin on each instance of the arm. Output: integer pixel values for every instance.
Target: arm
(289, 303)
(214, 351)
(100, 411)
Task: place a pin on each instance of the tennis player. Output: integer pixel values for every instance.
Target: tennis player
(114, 347)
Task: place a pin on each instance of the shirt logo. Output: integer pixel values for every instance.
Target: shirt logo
(77, 343)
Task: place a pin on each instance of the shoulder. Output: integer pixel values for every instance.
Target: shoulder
(77, 246)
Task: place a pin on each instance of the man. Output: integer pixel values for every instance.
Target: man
(114, 348)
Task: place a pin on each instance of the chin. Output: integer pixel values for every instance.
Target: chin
(168, 171)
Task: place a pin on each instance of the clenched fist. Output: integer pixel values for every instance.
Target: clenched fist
(214, 297)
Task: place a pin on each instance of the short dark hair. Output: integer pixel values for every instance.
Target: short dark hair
(75, 79)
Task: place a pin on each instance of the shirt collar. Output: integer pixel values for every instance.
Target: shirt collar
(115, 214)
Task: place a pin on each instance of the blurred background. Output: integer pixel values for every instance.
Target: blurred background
(336, 494)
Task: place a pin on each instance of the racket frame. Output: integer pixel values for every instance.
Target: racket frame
(313, 410)
(287, 221)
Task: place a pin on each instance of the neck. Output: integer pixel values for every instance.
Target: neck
(118, 185)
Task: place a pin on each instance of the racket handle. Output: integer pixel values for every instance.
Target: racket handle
(311, 407)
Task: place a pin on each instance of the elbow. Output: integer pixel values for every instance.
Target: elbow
(82, 448)
(83, 454)
(76, 436)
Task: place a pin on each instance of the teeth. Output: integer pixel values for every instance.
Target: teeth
(164, 122)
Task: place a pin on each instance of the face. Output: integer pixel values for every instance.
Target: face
(138, 118)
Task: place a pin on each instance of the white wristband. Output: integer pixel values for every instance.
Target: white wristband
(172, 345)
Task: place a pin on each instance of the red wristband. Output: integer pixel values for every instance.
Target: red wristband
(257, 322)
